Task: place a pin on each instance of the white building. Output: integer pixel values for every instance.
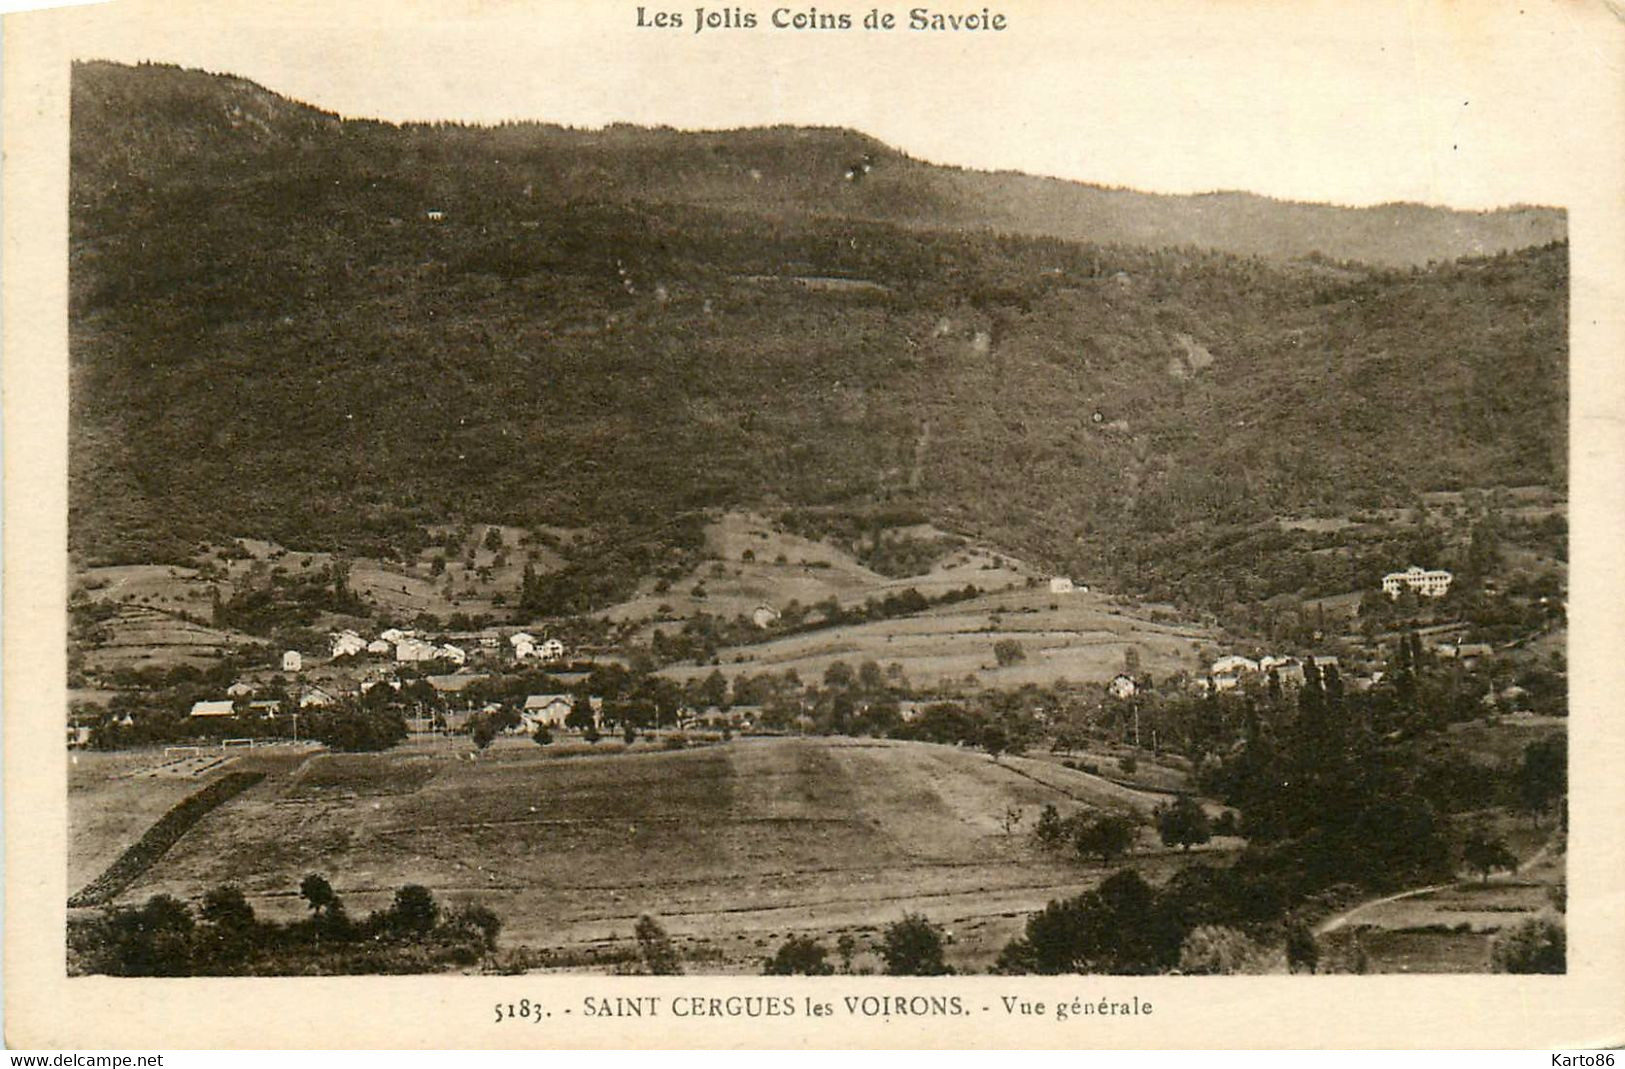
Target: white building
(315, 698)
(292, 661)
(415, 649)
(381, 646)
(551, 650)
(347, 644)
(215, 708)
(1060, 585)
(545, 710)
(1428, 584)
(454, 654)
(1233, 665)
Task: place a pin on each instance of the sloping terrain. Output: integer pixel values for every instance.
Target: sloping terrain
(752, 837)
(336, 333)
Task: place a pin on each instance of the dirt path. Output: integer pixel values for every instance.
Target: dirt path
(1332, 924)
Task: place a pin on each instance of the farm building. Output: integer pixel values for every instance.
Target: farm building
(212, 708)
(380, 646)
(239, 689)
(1060, 585)
(1429, 584)
(315, 698)
(267, 708)
(546, 710)
(1290, 673)
(1463, 651)
(454, 654)
(415, 649)
(393, 635)
(1233, 665)
(292, 661)
(346, 644)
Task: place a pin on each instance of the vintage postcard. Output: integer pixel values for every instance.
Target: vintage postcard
(629, 524)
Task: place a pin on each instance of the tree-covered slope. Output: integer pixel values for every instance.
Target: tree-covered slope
(271, 335)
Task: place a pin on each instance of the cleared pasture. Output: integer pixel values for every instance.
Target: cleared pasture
(727, 843)
(1077, 637)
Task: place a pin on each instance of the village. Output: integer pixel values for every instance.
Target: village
(444, 684)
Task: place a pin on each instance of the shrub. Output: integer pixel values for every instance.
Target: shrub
(471, 920)
(1301, 948)
(1007, 651)
(800, 955)
(413, 911)
(1183, 823)
(654, 945)
(1051, 829)
(1537, 945)
(1108, 835)
(675, 741)
(913, 947)
(1219, 951)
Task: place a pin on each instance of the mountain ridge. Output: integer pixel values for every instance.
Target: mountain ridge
(716, 167)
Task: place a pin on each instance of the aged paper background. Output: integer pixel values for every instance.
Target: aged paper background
(1469, 105)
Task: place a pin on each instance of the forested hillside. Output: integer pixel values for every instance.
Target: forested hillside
(331, 333)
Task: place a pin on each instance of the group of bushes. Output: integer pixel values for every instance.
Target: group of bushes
(912, 946)
(222, 936)
(1204, 919)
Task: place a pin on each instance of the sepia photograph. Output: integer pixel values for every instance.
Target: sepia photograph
(517, 531)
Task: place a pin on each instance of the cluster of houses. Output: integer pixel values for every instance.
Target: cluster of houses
(407, 646)
(1227, 673)
(399, 645)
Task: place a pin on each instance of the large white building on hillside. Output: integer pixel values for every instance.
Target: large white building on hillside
(1429, 584)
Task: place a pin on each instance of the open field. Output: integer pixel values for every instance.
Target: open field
(1078, 637)
(753, 563)
(139, 637)
(731, 845)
